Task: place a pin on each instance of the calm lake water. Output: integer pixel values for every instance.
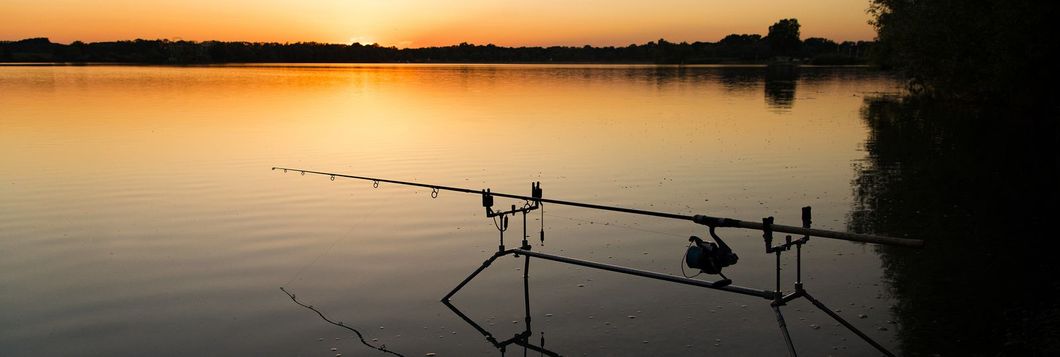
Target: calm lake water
(139, 214)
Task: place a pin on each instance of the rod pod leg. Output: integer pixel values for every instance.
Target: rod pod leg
(475, 273)
(850, 327)
(526, 290)
(784, 331)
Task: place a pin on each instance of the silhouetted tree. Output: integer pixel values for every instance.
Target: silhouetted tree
(973, 51)
(783, 38)
(815, 46)
(982, 114)
(742, 46)
(822, 51)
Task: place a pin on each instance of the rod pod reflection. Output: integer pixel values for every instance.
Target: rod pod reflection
(776, 296)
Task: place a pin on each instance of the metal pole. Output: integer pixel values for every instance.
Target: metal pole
(485, 265)
(784, 331)
(649, 274)
(526, 289)
(778, 274)
(850, 327)
(700, 219)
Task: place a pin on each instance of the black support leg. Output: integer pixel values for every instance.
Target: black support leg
(847, 324)
(485, 265)
(784, 331)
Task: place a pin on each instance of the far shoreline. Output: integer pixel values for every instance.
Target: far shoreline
(381, 64)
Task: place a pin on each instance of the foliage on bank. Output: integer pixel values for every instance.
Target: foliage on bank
(970, 51)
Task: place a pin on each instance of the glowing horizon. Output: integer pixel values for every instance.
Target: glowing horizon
(410, 23)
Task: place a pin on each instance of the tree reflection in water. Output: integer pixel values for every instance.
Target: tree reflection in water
(780, 82)
(972, 185)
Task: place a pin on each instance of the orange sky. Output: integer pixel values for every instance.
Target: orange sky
(411, 23)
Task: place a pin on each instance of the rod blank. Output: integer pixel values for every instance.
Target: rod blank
(700, 219)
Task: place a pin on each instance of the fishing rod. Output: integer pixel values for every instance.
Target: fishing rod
(699, 219)
(708, 256)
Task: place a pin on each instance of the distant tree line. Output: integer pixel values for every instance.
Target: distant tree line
(782, 42)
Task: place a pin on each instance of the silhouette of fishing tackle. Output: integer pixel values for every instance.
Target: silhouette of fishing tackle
(520, 339)
(707, 256)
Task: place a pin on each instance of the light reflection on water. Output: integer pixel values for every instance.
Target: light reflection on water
(139, 214)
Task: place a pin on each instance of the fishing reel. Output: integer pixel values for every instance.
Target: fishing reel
(709, 257)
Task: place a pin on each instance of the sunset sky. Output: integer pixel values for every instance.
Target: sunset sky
(417, 23)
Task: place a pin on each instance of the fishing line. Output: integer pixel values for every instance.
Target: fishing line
(340, 324)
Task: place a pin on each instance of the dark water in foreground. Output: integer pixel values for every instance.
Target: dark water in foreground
(139, 215)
